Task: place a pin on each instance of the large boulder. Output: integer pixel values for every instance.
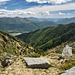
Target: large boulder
(37, 62)
(7, 61)
(70, 71)
(67, 51)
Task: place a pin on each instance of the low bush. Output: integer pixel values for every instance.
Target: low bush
(34, 55)
(68, 64)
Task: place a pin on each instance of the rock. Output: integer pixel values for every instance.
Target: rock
(5, 53)
(55, 57)
(37, 62)
(72, 44)
(67, 51)
(70, 71)
(7, 61)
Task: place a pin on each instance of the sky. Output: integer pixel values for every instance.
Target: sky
(37, 8)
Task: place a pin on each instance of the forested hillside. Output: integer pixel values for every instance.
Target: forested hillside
(49, 37)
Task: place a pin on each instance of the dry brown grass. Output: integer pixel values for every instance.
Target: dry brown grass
(19, 68)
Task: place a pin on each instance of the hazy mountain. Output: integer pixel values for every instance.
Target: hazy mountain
(66, 20)
(58, 20)
(49, 37)
(22, 24)
(47, 19)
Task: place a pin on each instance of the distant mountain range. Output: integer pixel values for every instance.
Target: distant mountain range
(23, 24)
(57, 20)
(48, 19)
(66, 20)
(19, 25)
(49, 37)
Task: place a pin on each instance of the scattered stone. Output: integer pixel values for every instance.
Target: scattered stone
(70, 71)
(37, 62)
(7, 61)
(55, 57)
(11, 55)
(15, 56)
(5, 53)
(67, 51)
(72, 44)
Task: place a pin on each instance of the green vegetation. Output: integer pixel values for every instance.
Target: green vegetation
(58, 49)
(34, 55)
(11, 45)
(68, 64)
(20, 25)
(49, 37)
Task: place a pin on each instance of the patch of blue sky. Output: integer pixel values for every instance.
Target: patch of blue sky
(63, 11)
(23, 4)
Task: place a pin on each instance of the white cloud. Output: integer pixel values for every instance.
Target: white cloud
(73, 12)
(46, 13)
(69, 6)
(15, 13)
(40, 11)
(68, 14)
(3, 2)
(5, 7)
(61, 13)
(49, 1)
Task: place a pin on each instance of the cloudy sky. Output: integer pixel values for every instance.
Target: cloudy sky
(37, 8)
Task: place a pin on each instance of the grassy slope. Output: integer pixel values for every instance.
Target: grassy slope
(13, 45)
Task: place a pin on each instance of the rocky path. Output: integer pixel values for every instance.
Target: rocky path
(19, 68)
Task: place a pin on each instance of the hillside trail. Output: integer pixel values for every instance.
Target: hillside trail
(19, 68)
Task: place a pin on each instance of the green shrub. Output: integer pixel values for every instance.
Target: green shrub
(34, 55)
(68, 64)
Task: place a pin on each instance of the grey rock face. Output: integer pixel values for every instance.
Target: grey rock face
(67, 51)
(37, 62)
(70, 71)
(6, 62)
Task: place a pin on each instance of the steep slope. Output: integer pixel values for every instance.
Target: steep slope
(13, 45)
(49, 37)
(66, 20)
(22, 24)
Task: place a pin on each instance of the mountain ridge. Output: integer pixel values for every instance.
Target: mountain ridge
(66, 20)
